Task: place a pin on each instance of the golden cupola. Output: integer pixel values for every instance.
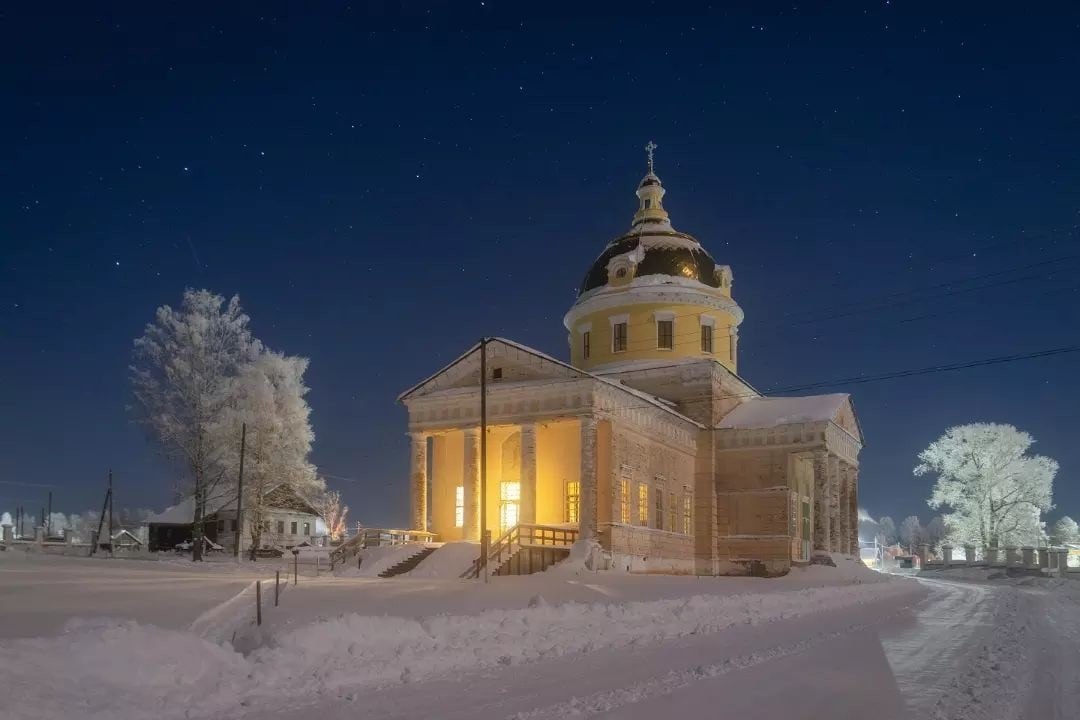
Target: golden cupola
(654, 296)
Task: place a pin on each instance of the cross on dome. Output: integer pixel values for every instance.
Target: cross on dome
(649, 151)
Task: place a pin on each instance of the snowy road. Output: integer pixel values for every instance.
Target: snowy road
(961, 652)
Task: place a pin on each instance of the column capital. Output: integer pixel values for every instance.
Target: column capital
(473, 430)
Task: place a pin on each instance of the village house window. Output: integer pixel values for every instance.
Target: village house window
(232, 525)
(665, 331)
(459, 506)
(280, 527)
(585, 340)
(307, 528)
(572, 511)
(707, 338)
(659, 514)
(624, 501)
(292, 527)
(643, 504)
(221, 525)
(688, 514)
(618, 337)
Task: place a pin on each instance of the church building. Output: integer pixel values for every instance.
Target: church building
(647, 440)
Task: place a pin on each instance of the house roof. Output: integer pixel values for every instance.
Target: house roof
(650, 399)
(183, 512)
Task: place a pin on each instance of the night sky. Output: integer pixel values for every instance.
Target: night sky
(895, 186)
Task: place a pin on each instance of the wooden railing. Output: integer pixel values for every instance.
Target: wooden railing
(521, 535)
(377, 537)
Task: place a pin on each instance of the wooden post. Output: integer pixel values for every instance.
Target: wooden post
(277, 585)
(101, 519)
(240, 493)
(111, 551)
(258, 602)
(485, 537)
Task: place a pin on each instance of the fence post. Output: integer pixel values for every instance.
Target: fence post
(258, 602)
(277, 584)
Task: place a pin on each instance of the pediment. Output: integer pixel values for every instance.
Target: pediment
(507, 362)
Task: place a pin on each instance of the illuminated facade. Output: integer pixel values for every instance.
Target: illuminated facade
(648, 440)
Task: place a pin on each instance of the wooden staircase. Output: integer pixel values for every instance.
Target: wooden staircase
(526, 549)
(408, 563)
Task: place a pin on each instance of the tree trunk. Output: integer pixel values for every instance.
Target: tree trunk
(197, 521)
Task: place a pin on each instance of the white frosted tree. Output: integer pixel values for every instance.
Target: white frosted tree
(1065, 530)
(184, 376)
(334, 513)
(995, 491)
(911, 532)
(886, 530)
(271, 401)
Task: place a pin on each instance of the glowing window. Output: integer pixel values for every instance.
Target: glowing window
(672, 510)
(688, 514)
(624, 501)
(459, 506)
(659, 514)
(572, 511)
(643, 504)
(509, 504)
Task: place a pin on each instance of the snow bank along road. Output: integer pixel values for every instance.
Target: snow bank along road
(793, 648)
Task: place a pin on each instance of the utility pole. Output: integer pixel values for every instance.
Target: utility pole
(485, 537)
(240, 493)
(101, 518)
(111, 550)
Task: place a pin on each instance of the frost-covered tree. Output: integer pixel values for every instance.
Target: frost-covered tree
(911, 531)
(886, 530)
(994, 489)
(184, 376)
(1065, 530)
(333, 512)
(271, 401)
(935, 531)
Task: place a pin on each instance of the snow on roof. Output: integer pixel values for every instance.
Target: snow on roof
(652, 399)
(765, 412)
(183, 512)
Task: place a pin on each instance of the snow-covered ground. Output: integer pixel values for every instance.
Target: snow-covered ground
(820, 642)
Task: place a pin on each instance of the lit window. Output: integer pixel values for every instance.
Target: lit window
(624, 501)
(659, 514)
(509, 504)
(672, 510)
(643, 504)
(459, 506)
(573, 501)
(618, 337)
(307, 528)
(707, 338)
(665, 334)
(585, 340)
(688, 513)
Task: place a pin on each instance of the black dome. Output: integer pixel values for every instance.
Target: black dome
(678, 259)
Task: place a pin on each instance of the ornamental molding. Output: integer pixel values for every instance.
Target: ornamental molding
(672, 291)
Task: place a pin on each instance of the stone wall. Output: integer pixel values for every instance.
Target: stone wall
(644, 550)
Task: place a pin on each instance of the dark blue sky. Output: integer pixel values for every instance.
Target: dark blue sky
(383, 186)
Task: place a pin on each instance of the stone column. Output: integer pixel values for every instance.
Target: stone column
(528, 473)
(853, 509)
(1012, 555)
(845, 506)
(471, 481)
(821, 501)
(969, 554)
(588, 510)
(834, 504)
(418, 482)
(923, 554)
(1029, 556)
(9, 535)
(946, 554)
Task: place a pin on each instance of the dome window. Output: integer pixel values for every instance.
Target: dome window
(620, 273)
